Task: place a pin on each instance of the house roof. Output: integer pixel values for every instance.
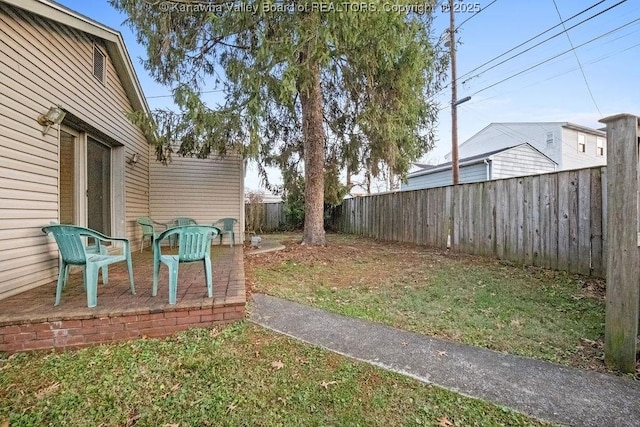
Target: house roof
(569, 125)
(478, 158)
(562, 124)
(585, 129)
(114, 42)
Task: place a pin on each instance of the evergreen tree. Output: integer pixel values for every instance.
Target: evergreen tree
(317, 88)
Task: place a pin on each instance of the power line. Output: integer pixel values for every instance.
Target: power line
(542, 42)
(476, 14)
(586, 82)
(530, 39)
(556, 56)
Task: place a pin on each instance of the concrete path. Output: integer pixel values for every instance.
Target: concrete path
(544, 390)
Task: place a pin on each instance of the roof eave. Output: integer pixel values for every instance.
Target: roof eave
(113, 39)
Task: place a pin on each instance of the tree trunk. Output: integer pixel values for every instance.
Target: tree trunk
(314, 139)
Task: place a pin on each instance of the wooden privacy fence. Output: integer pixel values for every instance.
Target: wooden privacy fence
(553, 220)
(264, 217)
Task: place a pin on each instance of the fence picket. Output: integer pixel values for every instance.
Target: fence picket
(554, 220)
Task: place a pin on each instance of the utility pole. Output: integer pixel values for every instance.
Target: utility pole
(454, 95)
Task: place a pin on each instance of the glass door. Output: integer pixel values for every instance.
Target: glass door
(98, 186)
(68, 206)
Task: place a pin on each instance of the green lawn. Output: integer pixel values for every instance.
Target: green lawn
(531, 312)
(238, 375)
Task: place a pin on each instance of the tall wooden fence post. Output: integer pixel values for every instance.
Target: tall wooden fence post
(623, 238)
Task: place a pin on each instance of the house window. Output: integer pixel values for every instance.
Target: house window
(98, 63)
(549, 137)
(599, 147)
(582, 145)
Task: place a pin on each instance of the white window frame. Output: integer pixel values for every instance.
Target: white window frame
(599, 147)
(582, 143)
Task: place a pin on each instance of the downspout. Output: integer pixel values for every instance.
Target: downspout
(488, 163)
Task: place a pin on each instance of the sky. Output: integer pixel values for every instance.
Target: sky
(580, 75)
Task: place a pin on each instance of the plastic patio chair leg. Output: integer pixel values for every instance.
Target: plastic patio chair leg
(207, 274)
(173, 282)
(130, 267)
(105, 269)
(62, 275)
(91, 279)
(156, 272)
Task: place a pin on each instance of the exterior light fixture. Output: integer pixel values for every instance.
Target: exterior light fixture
(133, 159)
(54, 116)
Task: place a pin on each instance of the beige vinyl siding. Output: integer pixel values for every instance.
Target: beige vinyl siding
(43, 63)
(520, 161)
(203, 189)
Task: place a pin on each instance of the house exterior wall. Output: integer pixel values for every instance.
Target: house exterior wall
(519, 161)
(572, 158)
(504, 135)
(203, 189)
(555, 140)
(470, 173)
(42, 64)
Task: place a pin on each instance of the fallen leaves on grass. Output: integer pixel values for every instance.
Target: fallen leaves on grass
(133, 418)
(47, 390)
(326, 384)
(173, 389)
(444, 422)
(277, 365)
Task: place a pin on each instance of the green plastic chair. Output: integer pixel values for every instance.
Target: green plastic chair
(227, 228)
(183, 220)
(194, 244)
(149, 230)
(91, 248)
(92, 258)
(179, 222)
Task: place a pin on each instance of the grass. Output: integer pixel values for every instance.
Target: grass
(544, 314)
(231, 376)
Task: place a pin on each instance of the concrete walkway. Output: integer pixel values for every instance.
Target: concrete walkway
(544, 390)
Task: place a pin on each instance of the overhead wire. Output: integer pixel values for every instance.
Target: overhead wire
(584, 76)
(529, 40)
(543, 41)
(476, 14)
(556, 56)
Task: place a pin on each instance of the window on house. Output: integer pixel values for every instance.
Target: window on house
(98, 63)
(550, 138)
(599, 146)
(582, 145)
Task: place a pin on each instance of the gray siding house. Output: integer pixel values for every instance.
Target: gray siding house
(571, 146)
(508, 162)
(81, 170)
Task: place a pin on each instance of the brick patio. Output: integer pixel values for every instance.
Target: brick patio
(29, 321)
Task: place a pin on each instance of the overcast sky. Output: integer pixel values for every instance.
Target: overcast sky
(590, 74)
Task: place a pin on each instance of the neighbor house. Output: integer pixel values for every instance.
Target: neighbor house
(508, 162)
(571, 146)
(94, 167)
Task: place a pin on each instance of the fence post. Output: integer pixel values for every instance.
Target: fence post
(623, 257)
